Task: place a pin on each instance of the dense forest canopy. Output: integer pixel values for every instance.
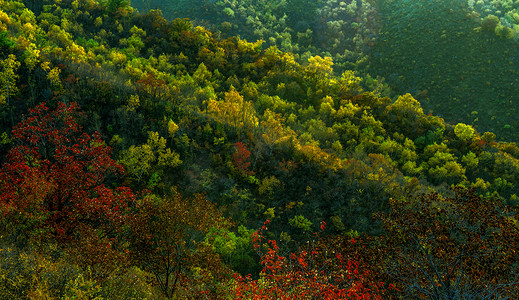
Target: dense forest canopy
(249, 154)
(442, 52)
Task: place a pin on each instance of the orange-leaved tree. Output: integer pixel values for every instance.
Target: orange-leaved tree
(170, 238)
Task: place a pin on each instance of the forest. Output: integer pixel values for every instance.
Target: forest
(145, 157)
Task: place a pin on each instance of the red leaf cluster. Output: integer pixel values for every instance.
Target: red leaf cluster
(311, 273)
(240, 158)
(55, 175)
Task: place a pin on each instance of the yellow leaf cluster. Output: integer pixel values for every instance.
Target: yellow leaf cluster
(32, 56)
(172, 127)
(133, 103)
(347, 111)
(4, 20)
(117, 58)
(314, 153)
(8, 77)
(327, 106)
(407, 106)
(464, 132)
(76, 53)
(29, 31)
(98, 21)
(233, 110)
(274, 129)
(53, 76)
(268, 185)
(320, 67)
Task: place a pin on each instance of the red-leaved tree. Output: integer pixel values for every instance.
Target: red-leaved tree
(240, 159)
(53, 180)
(310, 273)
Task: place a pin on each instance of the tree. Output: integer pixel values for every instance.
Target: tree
(312, 272)
(114, 5)
(151, 158)
(169, 238)
(460, 247)
(464, 132)
(240, 159)
(407, 115)
(234, 111)
(317, 74)
(319, 67)
(53, 181)
(154, 87)
(8, 78)
(274, 130)
(441, 165)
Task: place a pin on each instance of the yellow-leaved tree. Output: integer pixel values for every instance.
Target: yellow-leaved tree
(233, 110)
(274, 130)
(8, 78)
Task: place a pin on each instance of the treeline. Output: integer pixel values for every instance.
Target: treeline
(145, 158)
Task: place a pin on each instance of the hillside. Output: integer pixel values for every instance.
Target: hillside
(457, 63)
(152, 159)
(459, 53)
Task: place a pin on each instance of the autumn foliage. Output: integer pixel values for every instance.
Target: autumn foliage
(310, 273)
(169, 238)
(462, 246)
(211, 135)
(240, 159)
(55, 176)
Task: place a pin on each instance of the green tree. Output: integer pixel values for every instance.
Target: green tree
(114, 5)
(441, 165)
(151, 158)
